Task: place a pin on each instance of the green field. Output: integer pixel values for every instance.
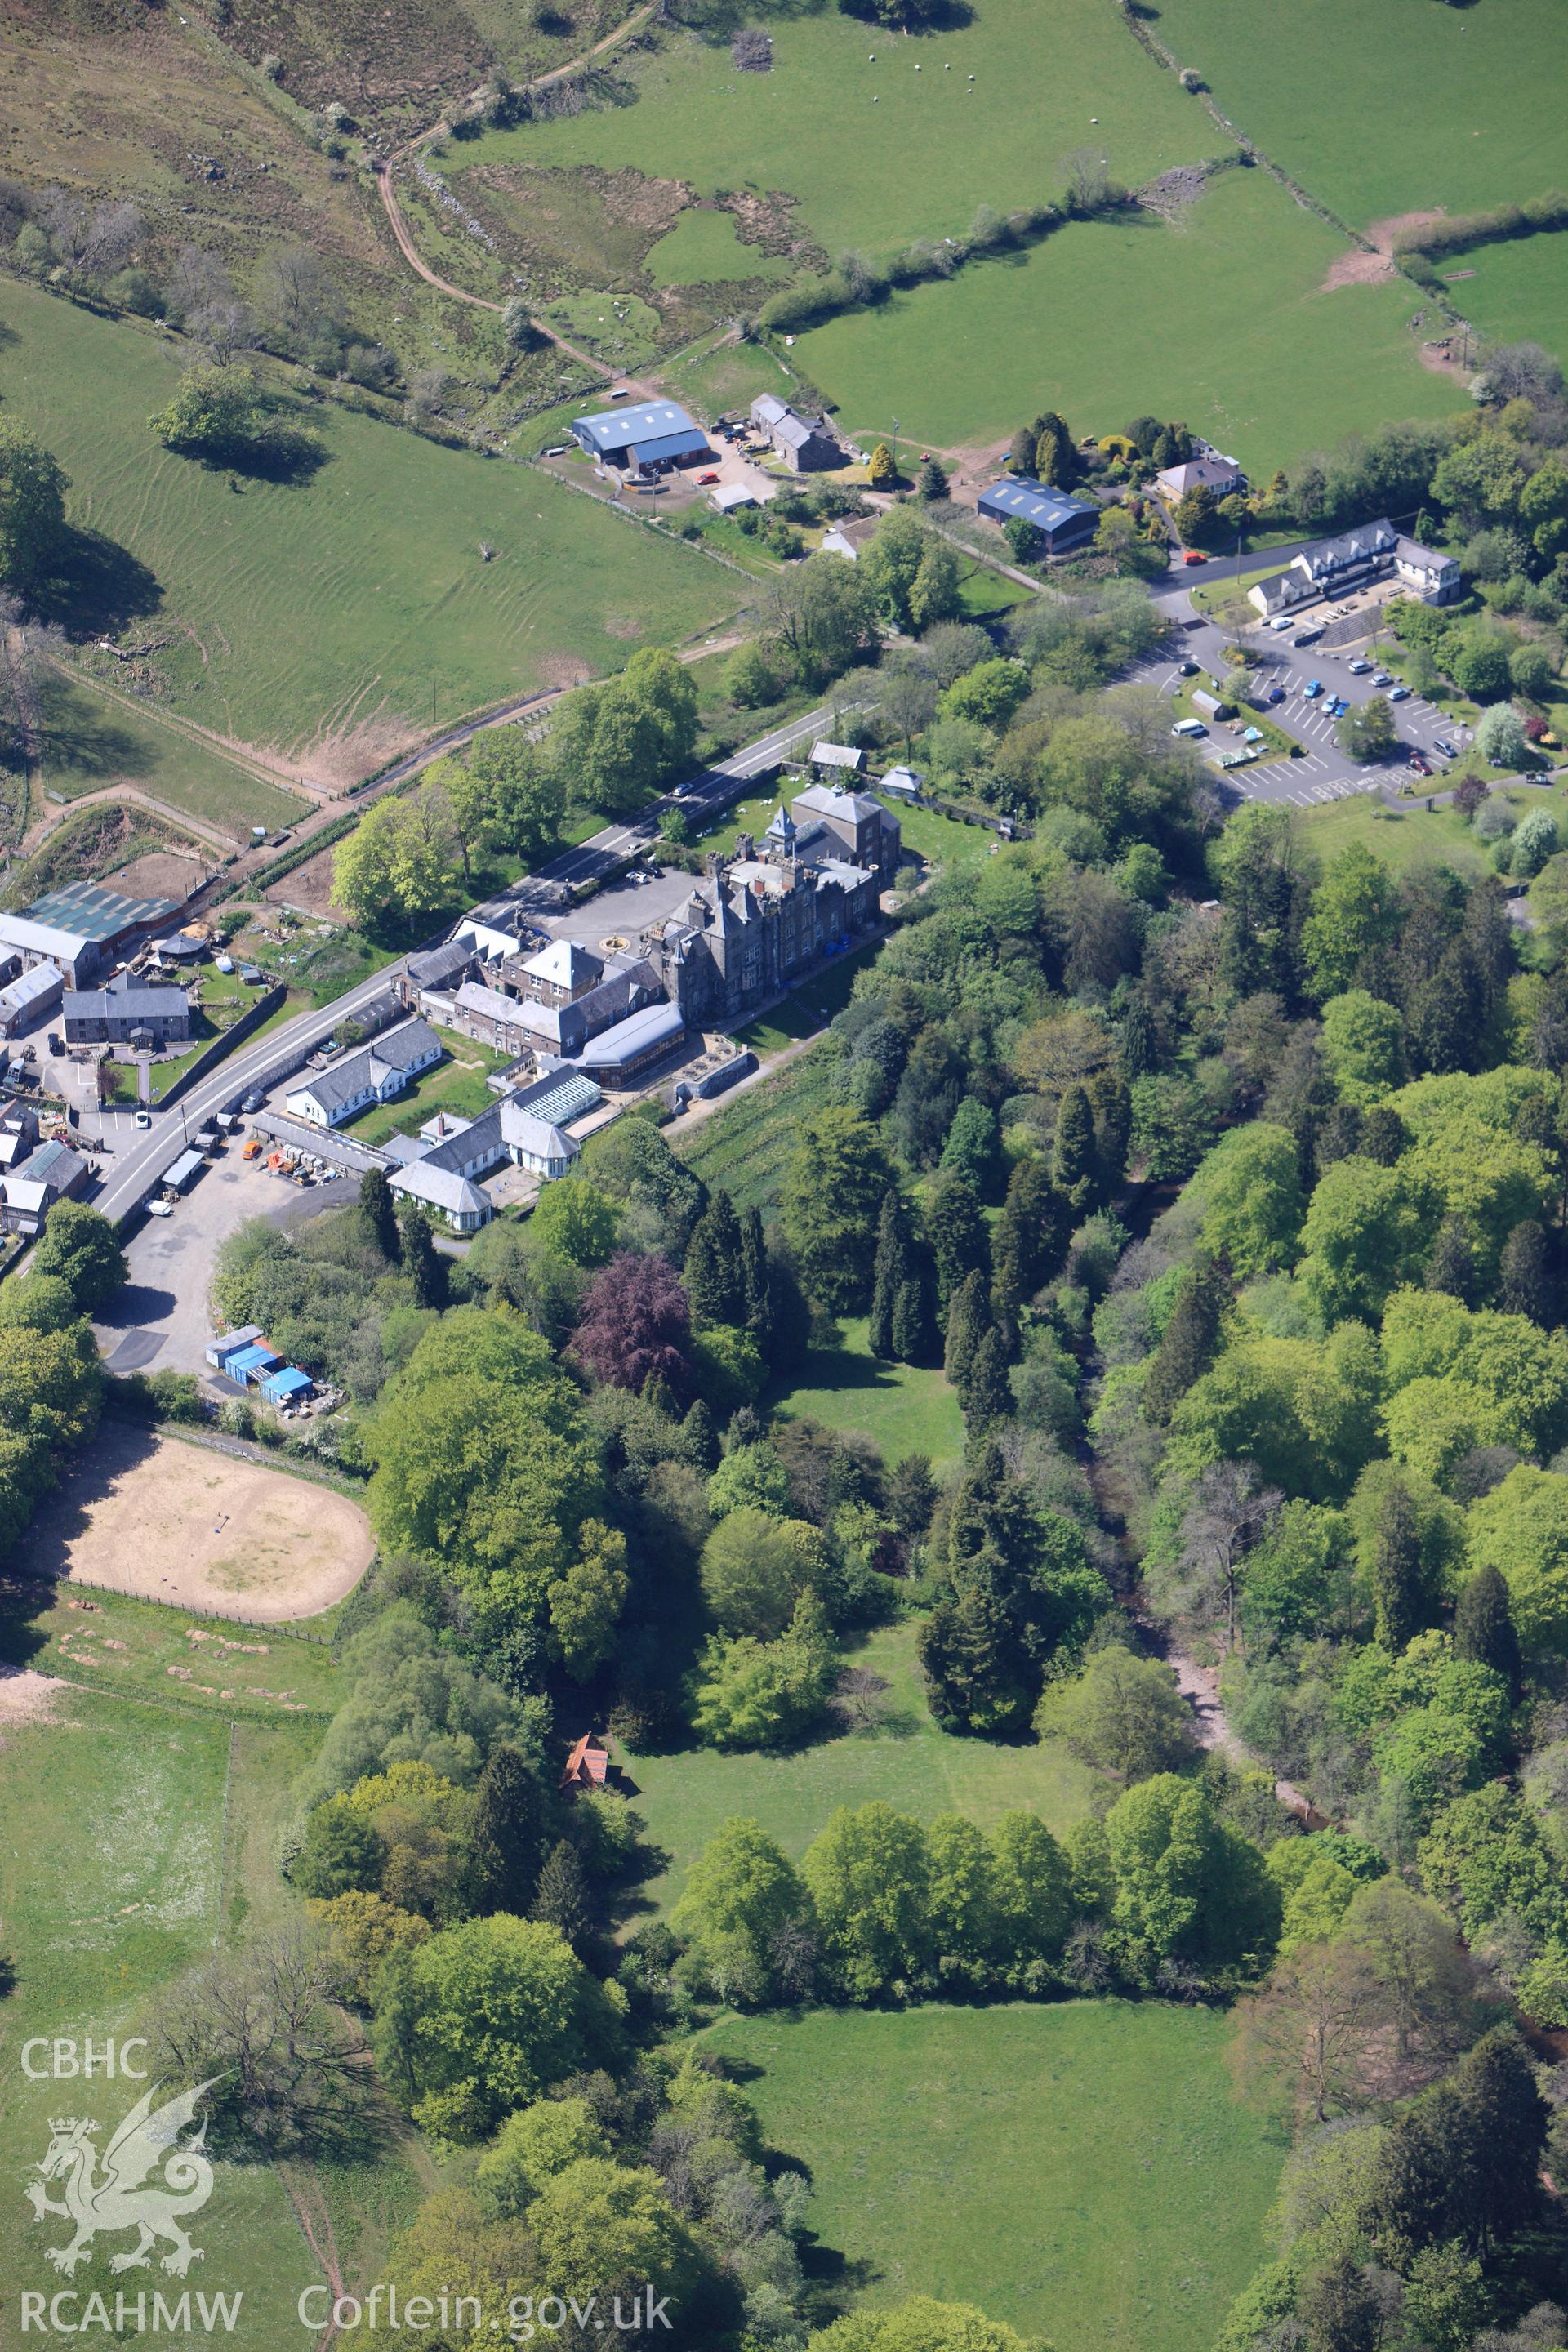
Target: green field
(91, 742)
(1518, 292)
(917, 163)
(721, 375)
(906, 1407)
(702, 250)
(329, 616)
(1222, 321)
(1082, 2171)
(1411, 833)
(1473, 117)
(112, 1881)
(910, 1763)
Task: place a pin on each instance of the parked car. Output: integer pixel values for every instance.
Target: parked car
(1193, 555)
(1311, 690)
(1275, 694)
(1422, 767)
(253, 1100)
(1399, 694)
(159, 1209)
(1186, 670)
(1280, 621)
(1360, 666)
(704, 479)
(1338, 707)
(1383, 677)
(1441, 743)
(143, 1118)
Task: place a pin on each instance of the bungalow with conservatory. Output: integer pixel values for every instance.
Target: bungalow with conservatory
(374, 1074)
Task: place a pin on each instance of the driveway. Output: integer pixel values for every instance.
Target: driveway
(159, 1321)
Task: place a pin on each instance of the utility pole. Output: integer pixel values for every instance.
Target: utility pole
(895, 446)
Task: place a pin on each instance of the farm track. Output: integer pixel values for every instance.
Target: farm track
(410, 251)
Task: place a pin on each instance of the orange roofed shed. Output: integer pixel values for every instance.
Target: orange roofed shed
(587, 1763)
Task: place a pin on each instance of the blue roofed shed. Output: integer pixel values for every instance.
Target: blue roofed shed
(251, 1366)
(658, 433)
(289, 1386)
(1061, 521)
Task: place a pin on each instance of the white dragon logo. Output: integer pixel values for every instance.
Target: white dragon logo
(123, 2198)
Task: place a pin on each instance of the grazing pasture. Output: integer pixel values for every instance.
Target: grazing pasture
(93, 743)
(1517, 292)
(1081, 2170)
(1047, 82)
(1221, 319)
(333, 618)
(1470, 116)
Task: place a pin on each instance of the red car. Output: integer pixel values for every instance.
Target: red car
(704, 479)
(1192, 556)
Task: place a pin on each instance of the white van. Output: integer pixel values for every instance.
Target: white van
(1189, 727)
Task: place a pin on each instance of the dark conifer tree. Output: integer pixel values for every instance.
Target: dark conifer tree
(1396, 1573)
(1339, 2310)
(422, 1261)
(1452, 1267)
(893, 1269)
(700, 1437)
(1140, 1039)
(755, 1279)
(958, 1235)
(1484, 1628)
(511, 1830)
(561, 1898)
(1073, 1151)
(379, 1211)
(914, 1341)
(1526, 1283)
(1110, 1101)
(714, 1272)
(1383, 1135)
(968, 1321)
(911, 1495)
(1029, 1240)
(1190, 1341)
(987, 1398)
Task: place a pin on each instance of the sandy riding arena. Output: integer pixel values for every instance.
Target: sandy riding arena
(171, 1521)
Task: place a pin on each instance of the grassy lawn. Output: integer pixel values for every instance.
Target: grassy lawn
(1082, 2171)
(747, 1146)
(702, 250)
(808, 1008)
(919, 162)
(1478, 122)
(906, 1763)
(1109, 318)
(907, 1408)
(91, 742)
(320, 962)
(125, 1803)
(1413, 836)
(456, 1086)
(322, 617)
(982, 591)
(943, 840)
(1518, 293)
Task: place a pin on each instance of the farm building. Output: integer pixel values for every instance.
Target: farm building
(37, 990)
(729, 497)
(850, 539)
(1356, 559)
(648, 440)
(372, 1075)
(79, 926)
(837, 759)
(227, 1344)
(808, 445)
(128, 1014)
(1061, 521)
